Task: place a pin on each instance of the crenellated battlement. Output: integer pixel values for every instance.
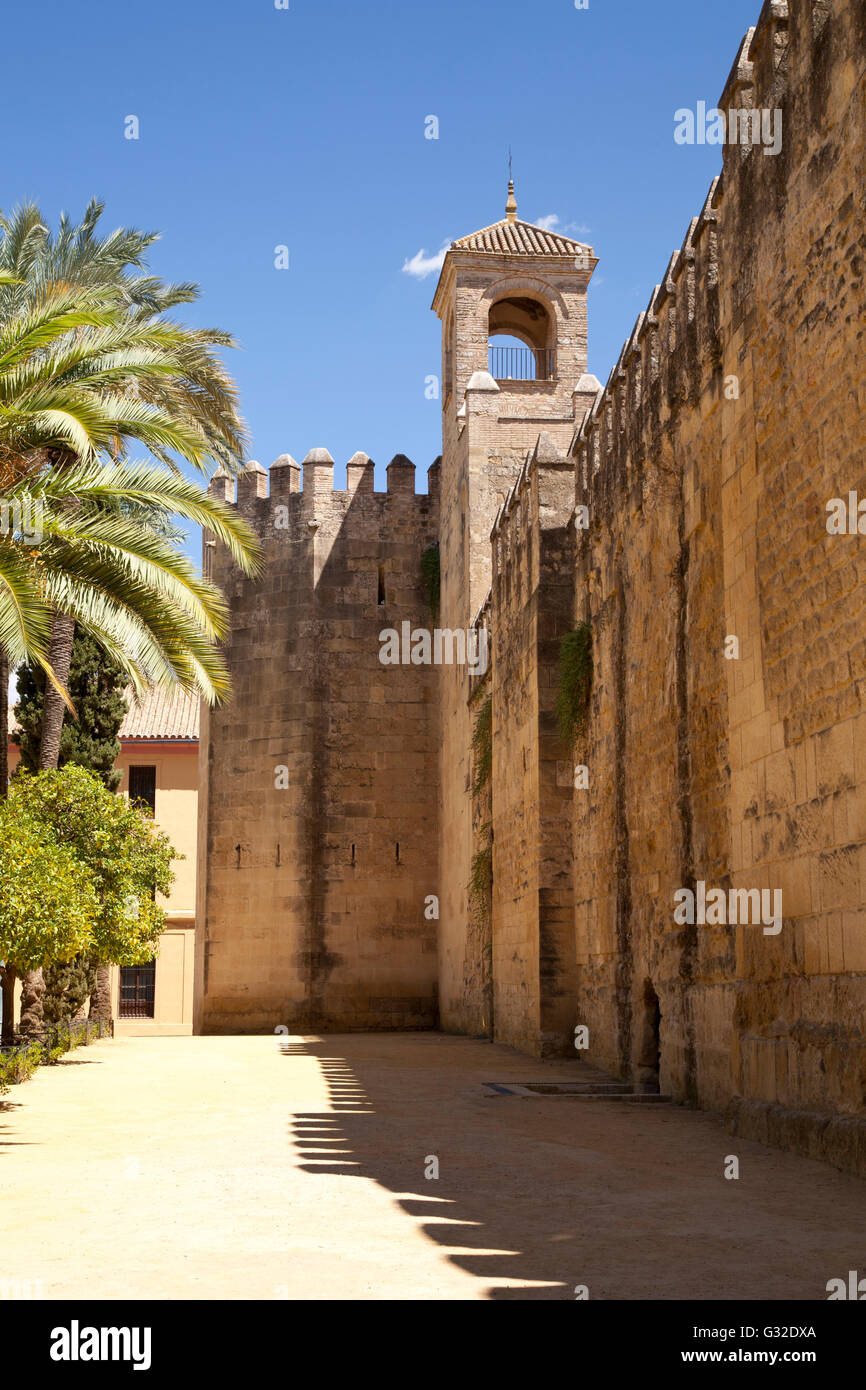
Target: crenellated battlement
(675, 350)
(292, 502)
(315, 476)
(665, 364)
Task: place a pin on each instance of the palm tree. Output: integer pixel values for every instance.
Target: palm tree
(196, 397)
(88, 365)
(95, 564)
(59, 406)
(129, 587)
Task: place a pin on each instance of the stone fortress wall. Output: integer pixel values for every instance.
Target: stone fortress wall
(733, 416)
(311, 894)
(681, 513)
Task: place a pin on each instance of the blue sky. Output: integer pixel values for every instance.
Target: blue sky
(305, 127)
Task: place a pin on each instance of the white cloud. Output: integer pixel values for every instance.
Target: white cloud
(551, 223)
(422, 265)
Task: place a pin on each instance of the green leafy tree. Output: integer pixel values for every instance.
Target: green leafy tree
(96, 685)
(89, 364)
(48, 903)
(116, 848)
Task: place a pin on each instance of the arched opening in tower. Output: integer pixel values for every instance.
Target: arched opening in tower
(521, 340)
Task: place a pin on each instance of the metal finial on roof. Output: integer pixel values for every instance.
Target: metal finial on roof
(511, 205)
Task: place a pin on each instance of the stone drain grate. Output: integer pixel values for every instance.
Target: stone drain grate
(574, 1090)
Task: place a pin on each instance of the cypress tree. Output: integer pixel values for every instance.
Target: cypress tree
(96, 686)
(67, 989)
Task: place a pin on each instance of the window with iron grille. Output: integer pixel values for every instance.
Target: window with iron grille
(137, 990)
(142, 786)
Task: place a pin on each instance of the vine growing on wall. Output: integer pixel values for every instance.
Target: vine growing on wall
(575, 682)
(481, 873)
(482, 746)
(430, 570)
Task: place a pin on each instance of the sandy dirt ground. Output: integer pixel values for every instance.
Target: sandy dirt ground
(180, 1168)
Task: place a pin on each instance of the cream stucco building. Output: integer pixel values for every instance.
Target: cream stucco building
(159, 761)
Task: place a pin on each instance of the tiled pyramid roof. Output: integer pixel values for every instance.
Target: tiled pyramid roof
(519, 239)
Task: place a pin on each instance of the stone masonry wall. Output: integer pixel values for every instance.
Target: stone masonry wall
(794, 319)
(312, 897)
(732, 418)
(534, 977)
(726, 738)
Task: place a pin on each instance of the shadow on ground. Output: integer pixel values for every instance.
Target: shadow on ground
(356, 1139)
(564, 1194)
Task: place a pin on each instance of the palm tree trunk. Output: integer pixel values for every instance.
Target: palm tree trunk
(90, 966)
(8, 973)
(4, 741)
(7, 979)
(100, 999)
(32, 990)
(53, 709)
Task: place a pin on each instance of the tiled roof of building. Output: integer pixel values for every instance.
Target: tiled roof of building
(519, 239)
(161, 714)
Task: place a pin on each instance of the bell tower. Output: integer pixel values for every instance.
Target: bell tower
(512, 302)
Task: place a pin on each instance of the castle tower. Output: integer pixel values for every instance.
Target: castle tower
(524, 283)
(527, 285)
(318, 781)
